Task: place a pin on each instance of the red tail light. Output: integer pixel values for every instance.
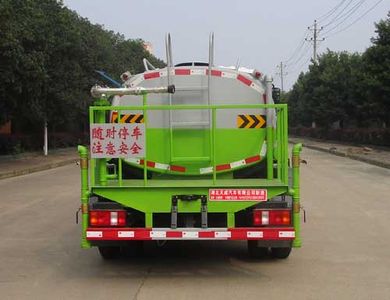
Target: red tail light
(271, 217)
(107, 218)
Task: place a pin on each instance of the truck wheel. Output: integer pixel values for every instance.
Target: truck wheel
(109, 252)
(255, 251)
(281, 252)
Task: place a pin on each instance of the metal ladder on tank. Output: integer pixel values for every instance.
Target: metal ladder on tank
(188, 124)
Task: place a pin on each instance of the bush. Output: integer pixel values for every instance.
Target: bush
(16, 143)
(371, 136)
(9, 144)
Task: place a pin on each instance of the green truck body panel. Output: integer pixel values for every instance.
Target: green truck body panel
(157, 196)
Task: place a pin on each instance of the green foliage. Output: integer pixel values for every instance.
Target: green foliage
(48, 56)
(377, 69)
(348, 87)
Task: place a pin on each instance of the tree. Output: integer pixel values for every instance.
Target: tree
(377, 66)
(48, 57)
(350, 88)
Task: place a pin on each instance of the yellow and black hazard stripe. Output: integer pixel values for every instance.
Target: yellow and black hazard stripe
(251, 121)
(132, 118)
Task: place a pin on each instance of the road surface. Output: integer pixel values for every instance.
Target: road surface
(345, 255)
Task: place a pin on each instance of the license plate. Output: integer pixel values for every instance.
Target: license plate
(238, 195)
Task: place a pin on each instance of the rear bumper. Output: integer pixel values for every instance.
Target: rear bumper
(118, 234)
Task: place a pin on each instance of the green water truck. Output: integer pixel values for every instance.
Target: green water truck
(190, 152)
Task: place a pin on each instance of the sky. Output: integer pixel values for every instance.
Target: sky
(257, 34)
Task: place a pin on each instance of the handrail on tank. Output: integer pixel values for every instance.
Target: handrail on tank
(281, 140)
(184, 107)
(148, 64)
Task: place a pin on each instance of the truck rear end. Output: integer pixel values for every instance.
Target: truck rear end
(190, 153)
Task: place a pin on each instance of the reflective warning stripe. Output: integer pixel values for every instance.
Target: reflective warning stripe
(177, 168)
(131, 118)
(238, 163)
(214, 73)
(151, 75)
(256, 88)
(251, 121)
(263, 151)
(182, 72)
(190, 234)
(197, 72)
(244, 80)
(231, 165)
(156, 165)
(114, 117)
(207, 170)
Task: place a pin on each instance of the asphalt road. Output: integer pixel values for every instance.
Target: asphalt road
(345, 255)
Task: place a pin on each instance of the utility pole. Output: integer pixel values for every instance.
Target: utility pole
(315, 39)
(282, 73)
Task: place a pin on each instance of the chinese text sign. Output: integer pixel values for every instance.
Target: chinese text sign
(117, 140)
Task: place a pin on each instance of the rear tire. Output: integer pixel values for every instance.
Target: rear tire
(255, 251)
(109, 252)
(281, 253)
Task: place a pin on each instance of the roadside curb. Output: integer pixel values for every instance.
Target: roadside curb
(37, 168)
(351, 156)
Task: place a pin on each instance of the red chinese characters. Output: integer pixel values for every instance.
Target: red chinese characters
(136, 133)
(123, 133)
(110, 149)
(135, 148)
(110, 132)
(117, 140)
(97, 147)
(123, 149)
(97, 133)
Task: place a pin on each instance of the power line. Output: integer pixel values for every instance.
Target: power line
(304, 63)
(351, 10)
(339, 13)
(356, 20)
(307, 48)
(292, 68)
(346, 16)
(315, 40)
(305, 35)
(299, 47)
(332, 11)
(299, 68)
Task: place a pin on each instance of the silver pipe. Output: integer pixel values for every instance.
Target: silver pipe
(98, 91)
(270, 112)
(148, 64)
